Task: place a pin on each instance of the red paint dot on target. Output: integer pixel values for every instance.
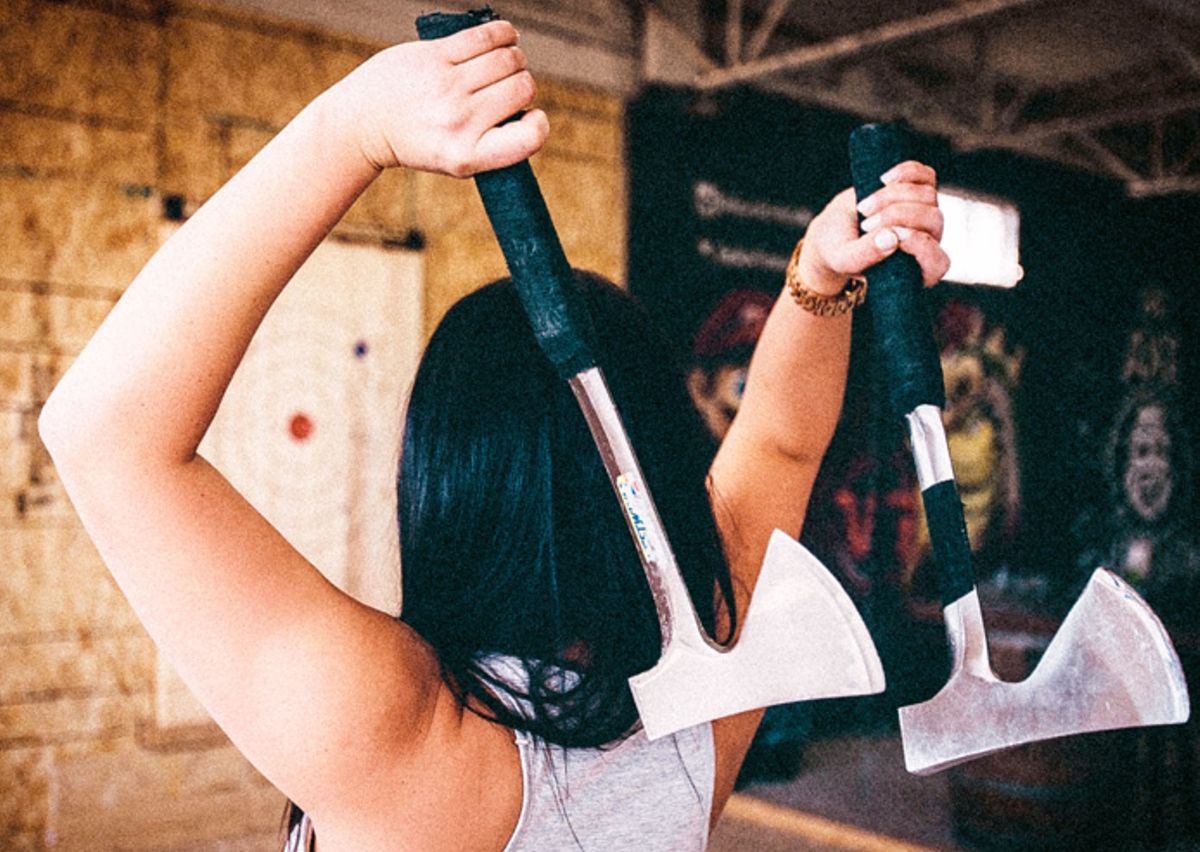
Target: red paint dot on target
(300, 427)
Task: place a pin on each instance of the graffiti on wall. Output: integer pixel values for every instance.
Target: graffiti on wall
(1144, 527)
(981, 373)
(877, 529)
(721, 351)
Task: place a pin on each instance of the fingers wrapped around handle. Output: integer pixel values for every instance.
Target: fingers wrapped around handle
(519, 217)
(903, 336)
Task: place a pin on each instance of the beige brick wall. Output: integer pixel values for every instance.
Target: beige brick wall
(106, 108)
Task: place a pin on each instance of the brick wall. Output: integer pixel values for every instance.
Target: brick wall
(106, 109)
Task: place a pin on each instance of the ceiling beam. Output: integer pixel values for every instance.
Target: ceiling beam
(733, 32)
(939, 123)
(1184, 163)
(985, 80)
(1087, 122)
(1163, 186)
(1107, 158)
(843, 47)
(1158, 148)
(915, 102)
(1183, 52)
(766, 28)
(1008, 116)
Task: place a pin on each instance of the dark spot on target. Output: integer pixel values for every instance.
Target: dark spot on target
(361, 349)
(300, 427)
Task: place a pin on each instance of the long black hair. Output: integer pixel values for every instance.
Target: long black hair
(511, 539)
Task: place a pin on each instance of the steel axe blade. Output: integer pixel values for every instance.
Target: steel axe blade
(1110, 665)
(803, 640)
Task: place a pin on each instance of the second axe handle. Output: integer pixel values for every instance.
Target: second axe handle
(906, 351)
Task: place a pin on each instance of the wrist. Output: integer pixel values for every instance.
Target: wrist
(831, 295)
(335, 122)
(815, 275)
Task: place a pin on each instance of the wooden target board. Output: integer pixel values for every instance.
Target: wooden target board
(309, 430)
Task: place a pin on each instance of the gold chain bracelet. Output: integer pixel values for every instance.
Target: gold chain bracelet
(820, 304)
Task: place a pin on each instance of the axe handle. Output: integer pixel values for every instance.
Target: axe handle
(899, 322)
(527, 237)
(562, 325)
(906, 351)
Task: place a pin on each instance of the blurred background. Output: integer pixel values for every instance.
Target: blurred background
(692, 141)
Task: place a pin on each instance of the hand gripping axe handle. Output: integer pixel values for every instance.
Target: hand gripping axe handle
(1111, 664)
(802, 638)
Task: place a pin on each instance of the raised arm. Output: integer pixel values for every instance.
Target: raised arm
(763, 474)
(315, 689)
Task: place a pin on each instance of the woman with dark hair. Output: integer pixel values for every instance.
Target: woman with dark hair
(511, 539)
(494, 712)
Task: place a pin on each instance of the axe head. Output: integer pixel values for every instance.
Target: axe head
(802, 640)
(1111, 665)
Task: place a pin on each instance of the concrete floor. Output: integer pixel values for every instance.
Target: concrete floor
(852, 793)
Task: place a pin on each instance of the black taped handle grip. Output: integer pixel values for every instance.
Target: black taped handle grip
(949, 540)
(905, 348)
(900, 326)
(539, 268)
(441, 24)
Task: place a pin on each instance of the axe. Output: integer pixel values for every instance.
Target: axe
(1111, 664)
(802, 638)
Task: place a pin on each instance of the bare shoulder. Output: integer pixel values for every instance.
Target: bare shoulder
(419, 803)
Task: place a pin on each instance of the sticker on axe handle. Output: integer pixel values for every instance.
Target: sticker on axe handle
(637, 510)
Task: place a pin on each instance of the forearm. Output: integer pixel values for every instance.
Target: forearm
(148, 384)
(796, 382)
(763, 474)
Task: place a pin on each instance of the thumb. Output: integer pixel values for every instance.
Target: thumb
(512, 142)
(855, 256)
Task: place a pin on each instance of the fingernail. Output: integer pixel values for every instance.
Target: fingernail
(902, 232)
(870, 223)
(885, 239)
(867, 205)
(890, 175)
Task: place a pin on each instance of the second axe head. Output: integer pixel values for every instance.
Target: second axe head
(1111, 665)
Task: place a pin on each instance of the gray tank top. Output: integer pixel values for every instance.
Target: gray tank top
(650, 796)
